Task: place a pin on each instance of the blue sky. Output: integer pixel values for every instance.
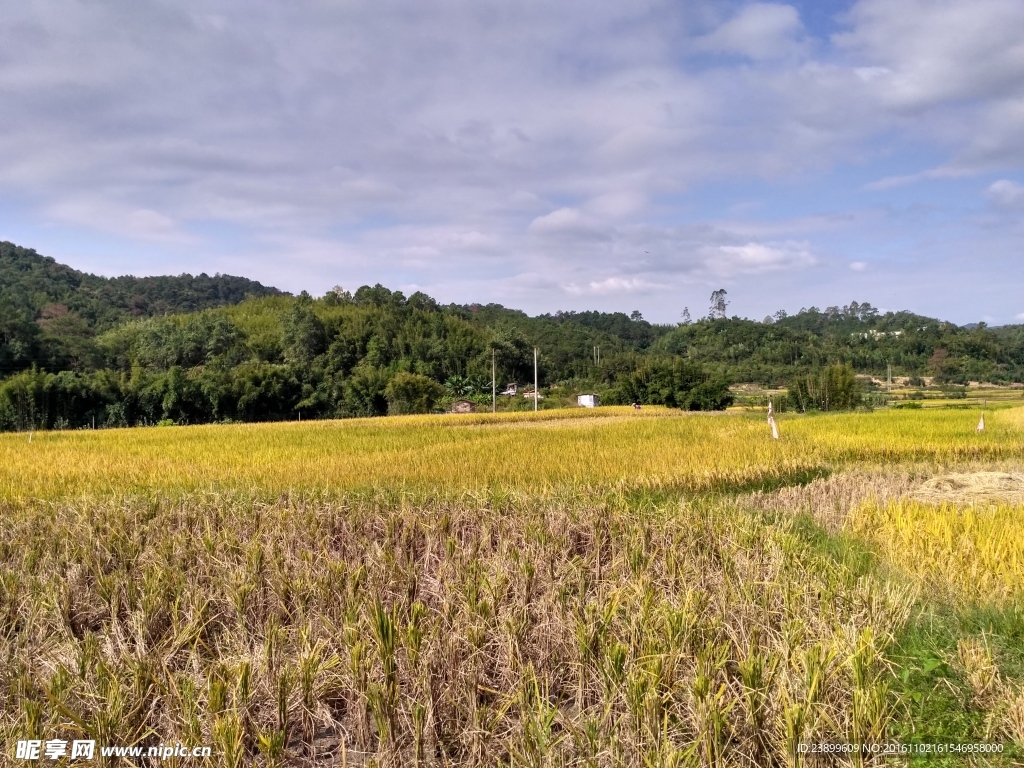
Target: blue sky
(571, 155)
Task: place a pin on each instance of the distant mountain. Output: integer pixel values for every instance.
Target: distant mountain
(32, 286)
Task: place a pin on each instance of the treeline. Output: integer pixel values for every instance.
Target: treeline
(72, 363)
(343, 355)
(364, 354)
(779, 348)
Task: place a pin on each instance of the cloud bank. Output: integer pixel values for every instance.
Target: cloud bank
(546, 155)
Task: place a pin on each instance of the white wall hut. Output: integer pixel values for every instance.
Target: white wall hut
(588, 400)
(461, 406)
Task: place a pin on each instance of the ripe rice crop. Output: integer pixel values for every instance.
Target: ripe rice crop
(449, 456)
(973, 553)
(552, 634)
(565, 588)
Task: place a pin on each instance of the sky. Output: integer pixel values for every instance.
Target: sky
(547, 156)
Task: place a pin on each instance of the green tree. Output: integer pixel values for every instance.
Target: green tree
(304, 335)
(364, 392)
(513, 354)
(718, 304)
(17, 337)
(833, 388)
(412, 393)
(710, 395)
(674, 383)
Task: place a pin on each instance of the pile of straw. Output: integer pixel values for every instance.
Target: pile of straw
(973, 487)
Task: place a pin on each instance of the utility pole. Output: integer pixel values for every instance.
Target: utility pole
(494, 385)
(535, 391)
(888, 367)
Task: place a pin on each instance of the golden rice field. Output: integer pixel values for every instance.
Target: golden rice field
(568, 588)
(973, 553)
(518, 453)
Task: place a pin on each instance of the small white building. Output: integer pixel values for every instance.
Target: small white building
(510, 389)
(588, 400)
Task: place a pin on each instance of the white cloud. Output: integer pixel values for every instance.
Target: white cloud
(137, 224)
(858, 266)
(611, 286)
(616, 205)
(324, 115)
(758, 31)
(472, 241)
(891, 182)
(870, 74)
(1006, 194)
(952, 71)
(754, 258)
(568, 222)
(925, 52)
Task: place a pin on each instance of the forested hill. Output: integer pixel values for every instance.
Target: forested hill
(75, 348)
(773, 350)
(30, 284)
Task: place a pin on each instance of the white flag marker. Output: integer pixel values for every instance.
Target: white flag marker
(981, 423)
(775, 430)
